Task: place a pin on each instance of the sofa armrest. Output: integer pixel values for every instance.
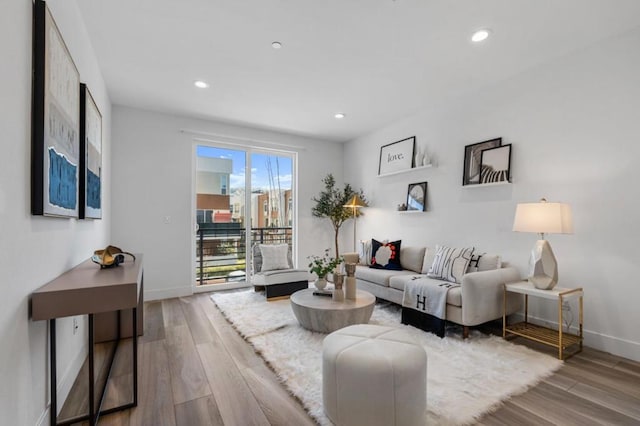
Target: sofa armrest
(483, 295)
(351, 257)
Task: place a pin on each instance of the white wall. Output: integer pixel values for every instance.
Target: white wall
(574, 126)
(34, 250)
(153, 179)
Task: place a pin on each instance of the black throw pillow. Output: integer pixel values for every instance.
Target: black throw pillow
(385, 255)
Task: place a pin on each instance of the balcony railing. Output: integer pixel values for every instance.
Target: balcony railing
(221, 250)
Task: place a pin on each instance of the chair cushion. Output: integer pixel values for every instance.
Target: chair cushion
(274, 256)
(279, 276)
(257, 257)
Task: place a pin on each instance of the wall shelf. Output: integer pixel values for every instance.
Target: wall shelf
(409, 211)
(406, 171)
(484, 185)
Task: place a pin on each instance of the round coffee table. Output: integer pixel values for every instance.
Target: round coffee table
(322, 314)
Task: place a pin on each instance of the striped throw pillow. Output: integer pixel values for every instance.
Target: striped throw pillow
(450, 264)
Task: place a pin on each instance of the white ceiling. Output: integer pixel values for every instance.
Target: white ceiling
(375, 60)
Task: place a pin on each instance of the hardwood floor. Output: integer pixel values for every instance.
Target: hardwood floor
(194, 369)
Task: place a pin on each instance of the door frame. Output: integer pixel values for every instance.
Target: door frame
(248, 149)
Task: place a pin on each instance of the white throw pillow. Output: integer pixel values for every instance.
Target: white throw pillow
(450, 264)
(429, 255)
(364, 252)
(484, 262)
(274, 256)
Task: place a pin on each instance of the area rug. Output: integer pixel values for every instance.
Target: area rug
(465, 378)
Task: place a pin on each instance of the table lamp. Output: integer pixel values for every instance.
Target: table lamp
(543, 218)
(355, 203)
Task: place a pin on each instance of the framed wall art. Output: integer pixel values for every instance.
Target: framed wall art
(55, 147)
(396, 156)
(417, 197)
(495, 164)
(90, 156)
(472, 154)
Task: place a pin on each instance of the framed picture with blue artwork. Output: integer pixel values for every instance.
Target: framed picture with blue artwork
(55, 136)
(90, 156)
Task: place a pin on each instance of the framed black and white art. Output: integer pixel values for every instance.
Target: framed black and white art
(90, 156)
(495, 164)
(472, 160)
(417, 197)
(55, 147)
(396, 156)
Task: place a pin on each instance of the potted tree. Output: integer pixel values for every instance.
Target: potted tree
(330, 204)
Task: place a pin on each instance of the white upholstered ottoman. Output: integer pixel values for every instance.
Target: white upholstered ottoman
(373, 375)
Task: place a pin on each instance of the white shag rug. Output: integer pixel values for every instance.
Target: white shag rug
(465, 378)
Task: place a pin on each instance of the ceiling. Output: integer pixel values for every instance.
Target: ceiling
(374, 60)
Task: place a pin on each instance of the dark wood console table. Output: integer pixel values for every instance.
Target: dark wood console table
(89, 290)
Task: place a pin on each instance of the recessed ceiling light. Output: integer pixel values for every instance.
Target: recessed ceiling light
(340, 115)
(276, 45)
(480, 35)
(200, 84)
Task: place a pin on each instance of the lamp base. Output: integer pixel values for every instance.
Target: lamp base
(543, 267)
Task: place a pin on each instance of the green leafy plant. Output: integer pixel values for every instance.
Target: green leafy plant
(330, 204)
(323, 265)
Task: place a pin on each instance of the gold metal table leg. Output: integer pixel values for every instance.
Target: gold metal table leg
(560, 327)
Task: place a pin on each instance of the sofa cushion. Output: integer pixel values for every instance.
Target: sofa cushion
(484, 262)
(385, 255)
(427, 262)
(450, 264)
(411, 258)
(454, 295)
(378, 276)
(399, 281)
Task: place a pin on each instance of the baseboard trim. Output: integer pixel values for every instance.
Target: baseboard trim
(600, 341)
(225, 286)
(168, 293)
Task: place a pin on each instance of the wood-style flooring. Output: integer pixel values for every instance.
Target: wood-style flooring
(194, 369)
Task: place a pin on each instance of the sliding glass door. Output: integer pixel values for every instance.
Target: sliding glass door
(242, 196)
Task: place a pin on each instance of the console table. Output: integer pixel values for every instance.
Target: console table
(89, 290)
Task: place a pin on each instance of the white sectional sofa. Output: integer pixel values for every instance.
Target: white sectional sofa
(477, 300)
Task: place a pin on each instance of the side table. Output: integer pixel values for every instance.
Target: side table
(555, 338)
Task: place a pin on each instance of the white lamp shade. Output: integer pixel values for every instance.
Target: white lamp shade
(543, 218)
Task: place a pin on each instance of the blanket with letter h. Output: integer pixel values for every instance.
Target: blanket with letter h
(429, 298)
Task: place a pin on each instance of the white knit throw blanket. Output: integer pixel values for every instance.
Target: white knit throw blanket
(427, 295)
